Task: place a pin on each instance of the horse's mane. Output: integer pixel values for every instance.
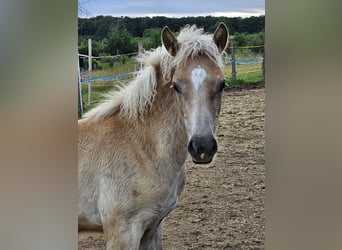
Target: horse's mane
(133, 99)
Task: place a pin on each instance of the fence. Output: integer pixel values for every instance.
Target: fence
(241, 64)
(244, 63)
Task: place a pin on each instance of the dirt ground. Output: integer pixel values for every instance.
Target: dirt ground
(222, 204)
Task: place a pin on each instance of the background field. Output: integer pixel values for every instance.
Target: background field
(246, 72)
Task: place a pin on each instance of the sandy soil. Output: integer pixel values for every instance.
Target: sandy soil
(222, 205)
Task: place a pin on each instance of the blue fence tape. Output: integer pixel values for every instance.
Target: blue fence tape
(245, 60)
(104, 78)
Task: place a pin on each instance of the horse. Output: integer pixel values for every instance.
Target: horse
(133, 146)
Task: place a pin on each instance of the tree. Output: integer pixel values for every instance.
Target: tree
(151, 38)
(119, 31)
(119, 42)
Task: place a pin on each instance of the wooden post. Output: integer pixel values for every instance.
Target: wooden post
(89, 70)
(140, 47)
(263, 63)
(140, 51)
(80, 103)
(233, 60)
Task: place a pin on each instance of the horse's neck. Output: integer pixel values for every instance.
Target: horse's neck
(167, 120)
(165, 110)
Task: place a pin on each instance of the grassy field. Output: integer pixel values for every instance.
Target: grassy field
(246, 73)
(99, 87)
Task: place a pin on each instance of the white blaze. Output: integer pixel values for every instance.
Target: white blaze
(198, 75)
(198, 111)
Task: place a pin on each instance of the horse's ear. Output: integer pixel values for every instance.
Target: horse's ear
(221, 37)
(169, 41)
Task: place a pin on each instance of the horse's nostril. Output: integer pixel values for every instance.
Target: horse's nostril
(192, 147)
(201, 147)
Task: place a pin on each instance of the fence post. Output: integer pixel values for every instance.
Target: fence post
(263, 63)
(89, 70)
(80, 104)
(140, 51)
(233, 60)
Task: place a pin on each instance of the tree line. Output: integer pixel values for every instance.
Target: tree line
(119, 35)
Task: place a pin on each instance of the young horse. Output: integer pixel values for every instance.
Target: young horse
(133, 146)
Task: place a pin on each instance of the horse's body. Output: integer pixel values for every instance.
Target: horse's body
(133, 147)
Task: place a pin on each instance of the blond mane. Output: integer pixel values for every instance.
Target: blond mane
(133, 100)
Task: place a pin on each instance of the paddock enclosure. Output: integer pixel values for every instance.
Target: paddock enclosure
(222, 204)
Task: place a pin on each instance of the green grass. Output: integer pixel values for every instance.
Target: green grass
(99, 87)
(117, 68)
(97, 95)
(252, 77)
(246, 72)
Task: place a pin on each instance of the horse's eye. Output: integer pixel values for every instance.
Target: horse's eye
(176, 87)
(222, 85)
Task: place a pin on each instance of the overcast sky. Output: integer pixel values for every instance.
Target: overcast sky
(173, 8)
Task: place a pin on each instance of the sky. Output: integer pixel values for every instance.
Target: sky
(172, 8)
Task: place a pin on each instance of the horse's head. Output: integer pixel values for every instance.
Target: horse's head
(198, 83)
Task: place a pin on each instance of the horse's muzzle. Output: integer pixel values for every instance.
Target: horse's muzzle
(202, 149)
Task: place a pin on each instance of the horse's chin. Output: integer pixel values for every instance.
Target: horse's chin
(202, 161)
